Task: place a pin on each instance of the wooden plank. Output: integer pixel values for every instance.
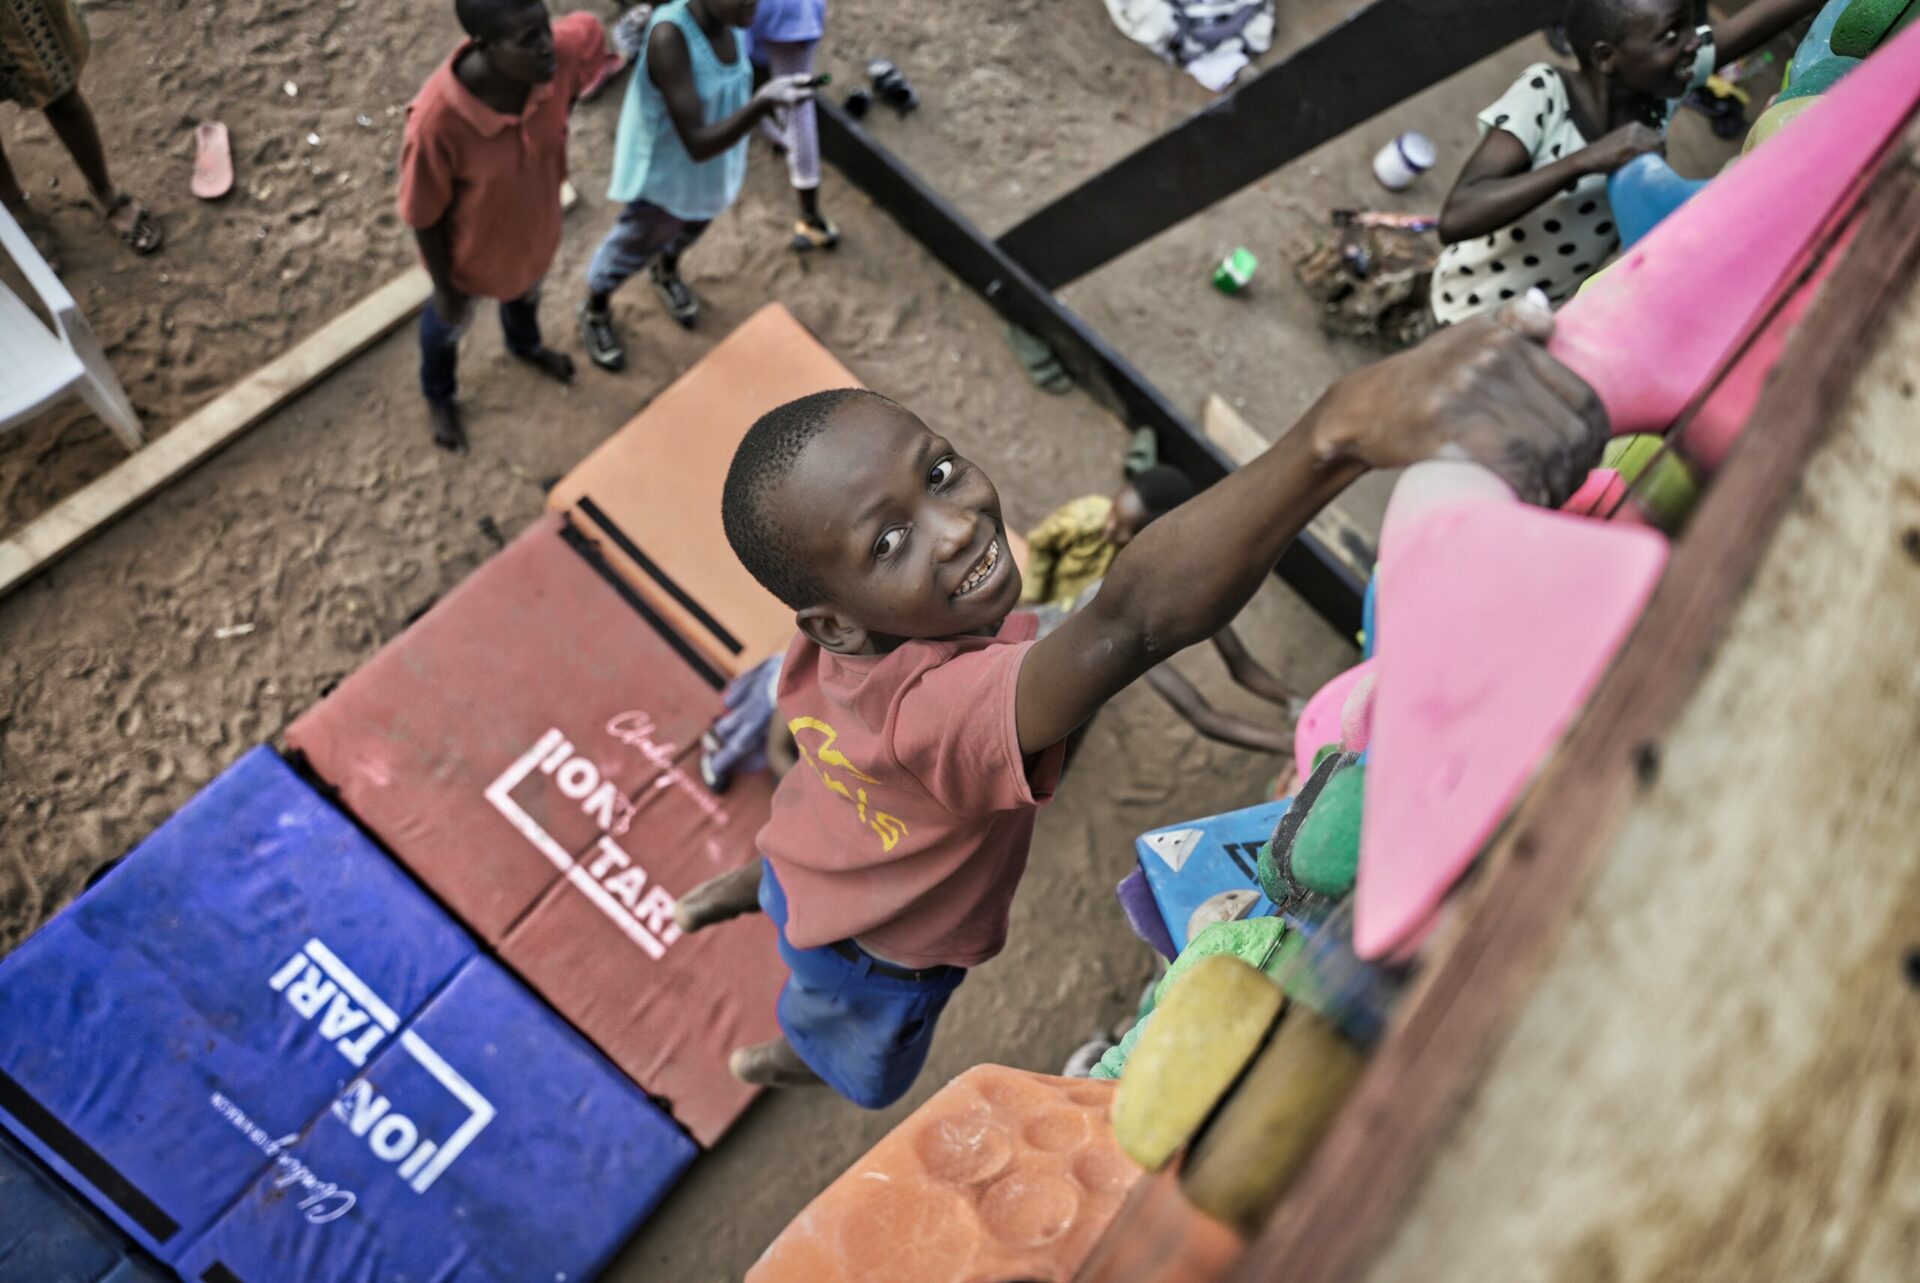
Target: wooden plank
(70, 522)
(1331, 527)
(1376, 1153)
(1321, 578)
(1387, 52)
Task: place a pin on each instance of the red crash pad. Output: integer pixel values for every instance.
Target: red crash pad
(529, 749)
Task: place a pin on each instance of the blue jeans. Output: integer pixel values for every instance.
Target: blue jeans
(642, 233)
(865, 1032)
(440, 341)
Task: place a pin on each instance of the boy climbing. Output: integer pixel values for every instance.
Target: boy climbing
(930, 726)
(480, 176)
(1530, 209)
(679, 156)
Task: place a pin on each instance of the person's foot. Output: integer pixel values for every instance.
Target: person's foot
(601, 340)
(771, 1064)
(718, 899)
(815, 233)
(555, 365)
(682, 306)
(134, 222)
(447, 432)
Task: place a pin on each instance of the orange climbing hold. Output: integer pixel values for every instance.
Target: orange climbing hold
(1004, 1174)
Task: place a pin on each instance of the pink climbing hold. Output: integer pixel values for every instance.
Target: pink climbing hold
(1320, 721)
(1652, 331)
(1356, 717)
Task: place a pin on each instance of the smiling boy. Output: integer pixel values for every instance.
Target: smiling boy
(930, 724)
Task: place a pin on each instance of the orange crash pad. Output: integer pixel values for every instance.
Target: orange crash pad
(650, 495)
(529, 749)
(1003, 1174)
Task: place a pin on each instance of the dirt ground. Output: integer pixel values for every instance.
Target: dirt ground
(322, 531)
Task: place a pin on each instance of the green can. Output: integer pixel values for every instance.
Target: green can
(1235, 271)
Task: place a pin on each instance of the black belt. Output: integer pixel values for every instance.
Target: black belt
(854, 953)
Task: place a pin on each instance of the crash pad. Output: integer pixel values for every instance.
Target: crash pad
(529, 748)
(650, 495)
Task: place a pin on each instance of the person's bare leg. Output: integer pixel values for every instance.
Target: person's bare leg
(721, 898)
(72, 120)
(771, 1064)
(10, 194)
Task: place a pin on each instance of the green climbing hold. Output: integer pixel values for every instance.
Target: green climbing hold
(1326, 853)
(1863, 24)
(1818, 78)
(1275, 869)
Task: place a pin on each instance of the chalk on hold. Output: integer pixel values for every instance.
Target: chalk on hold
(1773, 119)
(1203, 1033)
(1863, 24)
(1003, 1174)
(1227, 906)
(1259, 942)
(1267, 1128)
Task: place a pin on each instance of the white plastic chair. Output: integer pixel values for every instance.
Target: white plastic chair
(39, 366)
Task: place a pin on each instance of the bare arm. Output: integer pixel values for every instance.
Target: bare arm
(1497, 187)
(1485, 388)
(1249, 672)
(1210, 721)
(436, 253)
(670, 67)
(1756, 24)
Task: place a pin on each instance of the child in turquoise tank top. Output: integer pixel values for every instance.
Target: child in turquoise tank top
(680, 155)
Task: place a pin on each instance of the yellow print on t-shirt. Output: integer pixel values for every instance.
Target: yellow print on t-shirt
(824, 755)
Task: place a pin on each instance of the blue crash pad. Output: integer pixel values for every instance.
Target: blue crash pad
(212, 994)
(1188, 864)
(561, 1159)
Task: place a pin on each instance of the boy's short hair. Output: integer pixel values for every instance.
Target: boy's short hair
(482, 18)
(765, 459)
(1589, 21)
(1162, 489)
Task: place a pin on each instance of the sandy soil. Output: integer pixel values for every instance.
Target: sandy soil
(331, 525)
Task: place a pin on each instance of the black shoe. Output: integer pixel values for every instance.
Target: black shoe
(600, 339)
(682, 306)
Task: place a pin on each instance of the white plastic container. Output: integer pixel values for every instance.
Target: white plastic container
(1402, 160)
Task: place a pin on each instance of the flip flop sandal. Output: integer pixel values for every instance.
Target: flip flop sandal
(142, 233)
(1042, 366)
(811, 236)
(212, 161)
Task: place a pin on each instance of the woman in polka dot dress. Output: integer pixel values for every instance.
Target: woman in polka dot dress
(43, 46)
(1530, 209)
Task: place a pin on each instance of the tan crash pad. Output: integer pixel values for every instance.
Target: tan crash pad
(650, 495)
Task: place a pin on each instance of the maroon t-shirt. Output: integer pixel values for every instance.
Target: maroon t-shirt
(906, 823)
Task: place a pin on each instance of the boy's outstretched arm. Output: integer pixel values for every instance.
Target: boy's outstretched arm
(1756, 24)
(1484, 389)
(670, 67)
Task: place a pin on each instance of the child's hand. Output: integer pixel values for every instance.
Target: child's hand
(1485, 390)
(786, 91)
(1622, 145)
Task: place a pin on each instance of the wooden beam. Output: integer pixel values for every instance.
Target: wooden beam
(1308, 567)
(1355, 1186)
(75, 519)
(1338, 533)
(1389, 51)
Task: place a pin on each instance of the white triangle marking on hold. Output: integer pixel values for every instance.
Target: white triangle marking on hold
(1176, 846)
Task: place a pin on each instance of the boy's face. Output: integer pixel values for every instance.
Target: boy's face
(520, 46)
(1126, 518)
(1656, 55)
(903, 534)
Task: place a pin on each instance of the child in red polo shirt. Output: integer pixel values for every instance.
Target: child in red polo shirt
(480, 176)
(929, 723)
